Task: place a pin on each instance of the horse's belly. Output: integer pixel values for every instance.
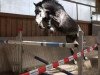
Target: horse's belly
(69, 30)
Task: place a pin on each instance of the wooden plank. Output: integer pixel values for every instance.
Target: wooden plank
(9, 27)
(14, 27)
(3, 26)
(29, 28)
(84, 26)
(0, 25)
(33, 28)
(20, 24)
(24, 27)
(86, 29)
(38, 31)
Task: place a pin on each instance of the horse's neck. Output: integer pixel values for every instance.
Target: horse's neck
(61, 16)
(66, 22)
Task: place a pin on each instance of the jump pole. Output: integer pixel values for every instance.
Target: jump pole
(38, 43)
(47, 63)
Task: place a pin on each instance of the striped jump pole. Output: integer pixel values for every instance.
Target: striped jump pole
(60, 62)
(37, 43)
(47, 63)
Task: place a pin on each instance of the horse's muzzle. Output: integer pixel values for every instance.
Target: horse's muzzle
(52, 29)
(41, 27)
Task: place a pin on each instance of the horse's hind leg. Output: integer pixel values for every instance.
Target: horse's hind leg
(72, 52)
(71, 39)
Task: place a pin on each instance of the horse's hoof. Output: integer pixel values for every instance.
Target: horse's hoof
(75, 62)
(85, 58)
(52, 29)
(76, 43)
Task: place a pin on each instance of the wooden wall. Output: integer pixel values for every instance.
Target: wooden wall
(86, 27)
(98, 5)
(10, 23)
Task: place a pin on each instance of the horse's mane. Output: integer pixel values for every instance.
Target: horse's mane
(40, 3)
(51, 1)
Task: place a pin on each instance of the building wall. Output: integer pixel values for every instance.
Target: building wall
(98, 5)
(95, 28)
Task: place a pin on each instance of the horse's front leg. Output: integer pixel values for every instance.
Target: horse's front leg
(50, 26)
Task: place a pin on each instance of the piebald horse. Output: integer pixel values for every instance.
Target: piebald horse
(56, 18)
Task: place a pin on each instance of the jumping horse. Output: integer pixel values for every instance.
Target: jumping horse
(52, 16)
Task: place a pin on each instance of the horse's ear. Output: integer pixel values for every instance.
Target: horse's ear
(35, 4)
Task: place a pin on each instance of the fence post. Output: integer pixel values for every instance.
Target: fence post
(20, 50)
(80, 47)
(98, 41)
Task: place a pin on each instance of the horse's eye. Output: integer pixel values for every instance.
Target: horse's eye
(37, 11)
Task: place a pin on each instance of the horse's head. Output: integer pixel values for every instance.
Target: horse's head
(51, 15)
(44, 12)
(41, 15)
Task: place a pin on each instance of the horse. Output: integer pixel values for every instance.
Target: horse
(51, 15)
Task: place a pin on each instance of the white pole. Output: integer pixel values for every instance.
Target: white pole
(80, 47)
(38, 43)
(20, 51)
(98, 41)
